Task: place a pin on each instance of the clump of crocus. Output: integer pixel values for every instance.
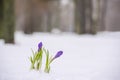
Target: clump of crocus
(50, 59)
(36, 59)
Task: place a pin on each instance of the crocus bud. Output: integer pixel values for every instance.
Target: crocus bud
(59, 53)
(39, 46)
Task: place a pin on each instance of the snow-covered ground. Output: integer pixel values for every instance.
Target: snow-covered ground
(86, 57)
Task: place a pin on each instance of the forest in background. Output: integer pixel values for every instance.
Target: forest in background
(79, 16)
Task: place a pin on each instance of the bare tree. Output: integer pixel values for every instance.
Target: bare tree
(28, 25)
(88, 17)
(1, 18)
(83, 19)
(102, 14)
(80, 16)
(8, 21)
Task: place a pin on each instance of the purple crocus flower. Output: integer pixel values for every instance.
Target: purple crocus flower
(40, 46)
(59, 53)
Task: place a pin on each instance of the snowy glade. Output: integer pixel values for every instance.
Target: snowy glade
(86, 57)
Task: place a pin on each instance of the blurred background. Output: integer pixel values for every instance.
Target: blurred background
(78, 16)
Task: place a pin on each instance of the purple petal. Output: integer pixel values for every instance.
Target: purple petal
(39, 46)
(59, 53)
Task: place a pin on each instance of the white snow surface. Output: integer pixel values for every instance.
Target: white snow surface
(85, 57)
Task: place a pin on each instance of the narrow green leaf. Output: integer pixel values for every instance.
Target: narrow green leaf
(31, 59)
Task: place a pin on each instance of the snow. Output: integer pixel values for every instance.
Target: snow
(86, 57)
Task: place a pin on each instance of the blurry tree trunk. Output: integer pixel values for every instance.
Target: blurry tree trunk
(96, 15)
(89, 19)
(112, 19)
(83, 19)
(49, 23)
(49, 15)
(54, 15)
(102, 14)
(1, 19)
(9, 21)
(36, 15)
(28, 25)
(80, 16)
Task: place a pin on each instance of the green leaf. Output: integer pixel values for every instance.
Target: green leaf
(38, 65)
(31, 59)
